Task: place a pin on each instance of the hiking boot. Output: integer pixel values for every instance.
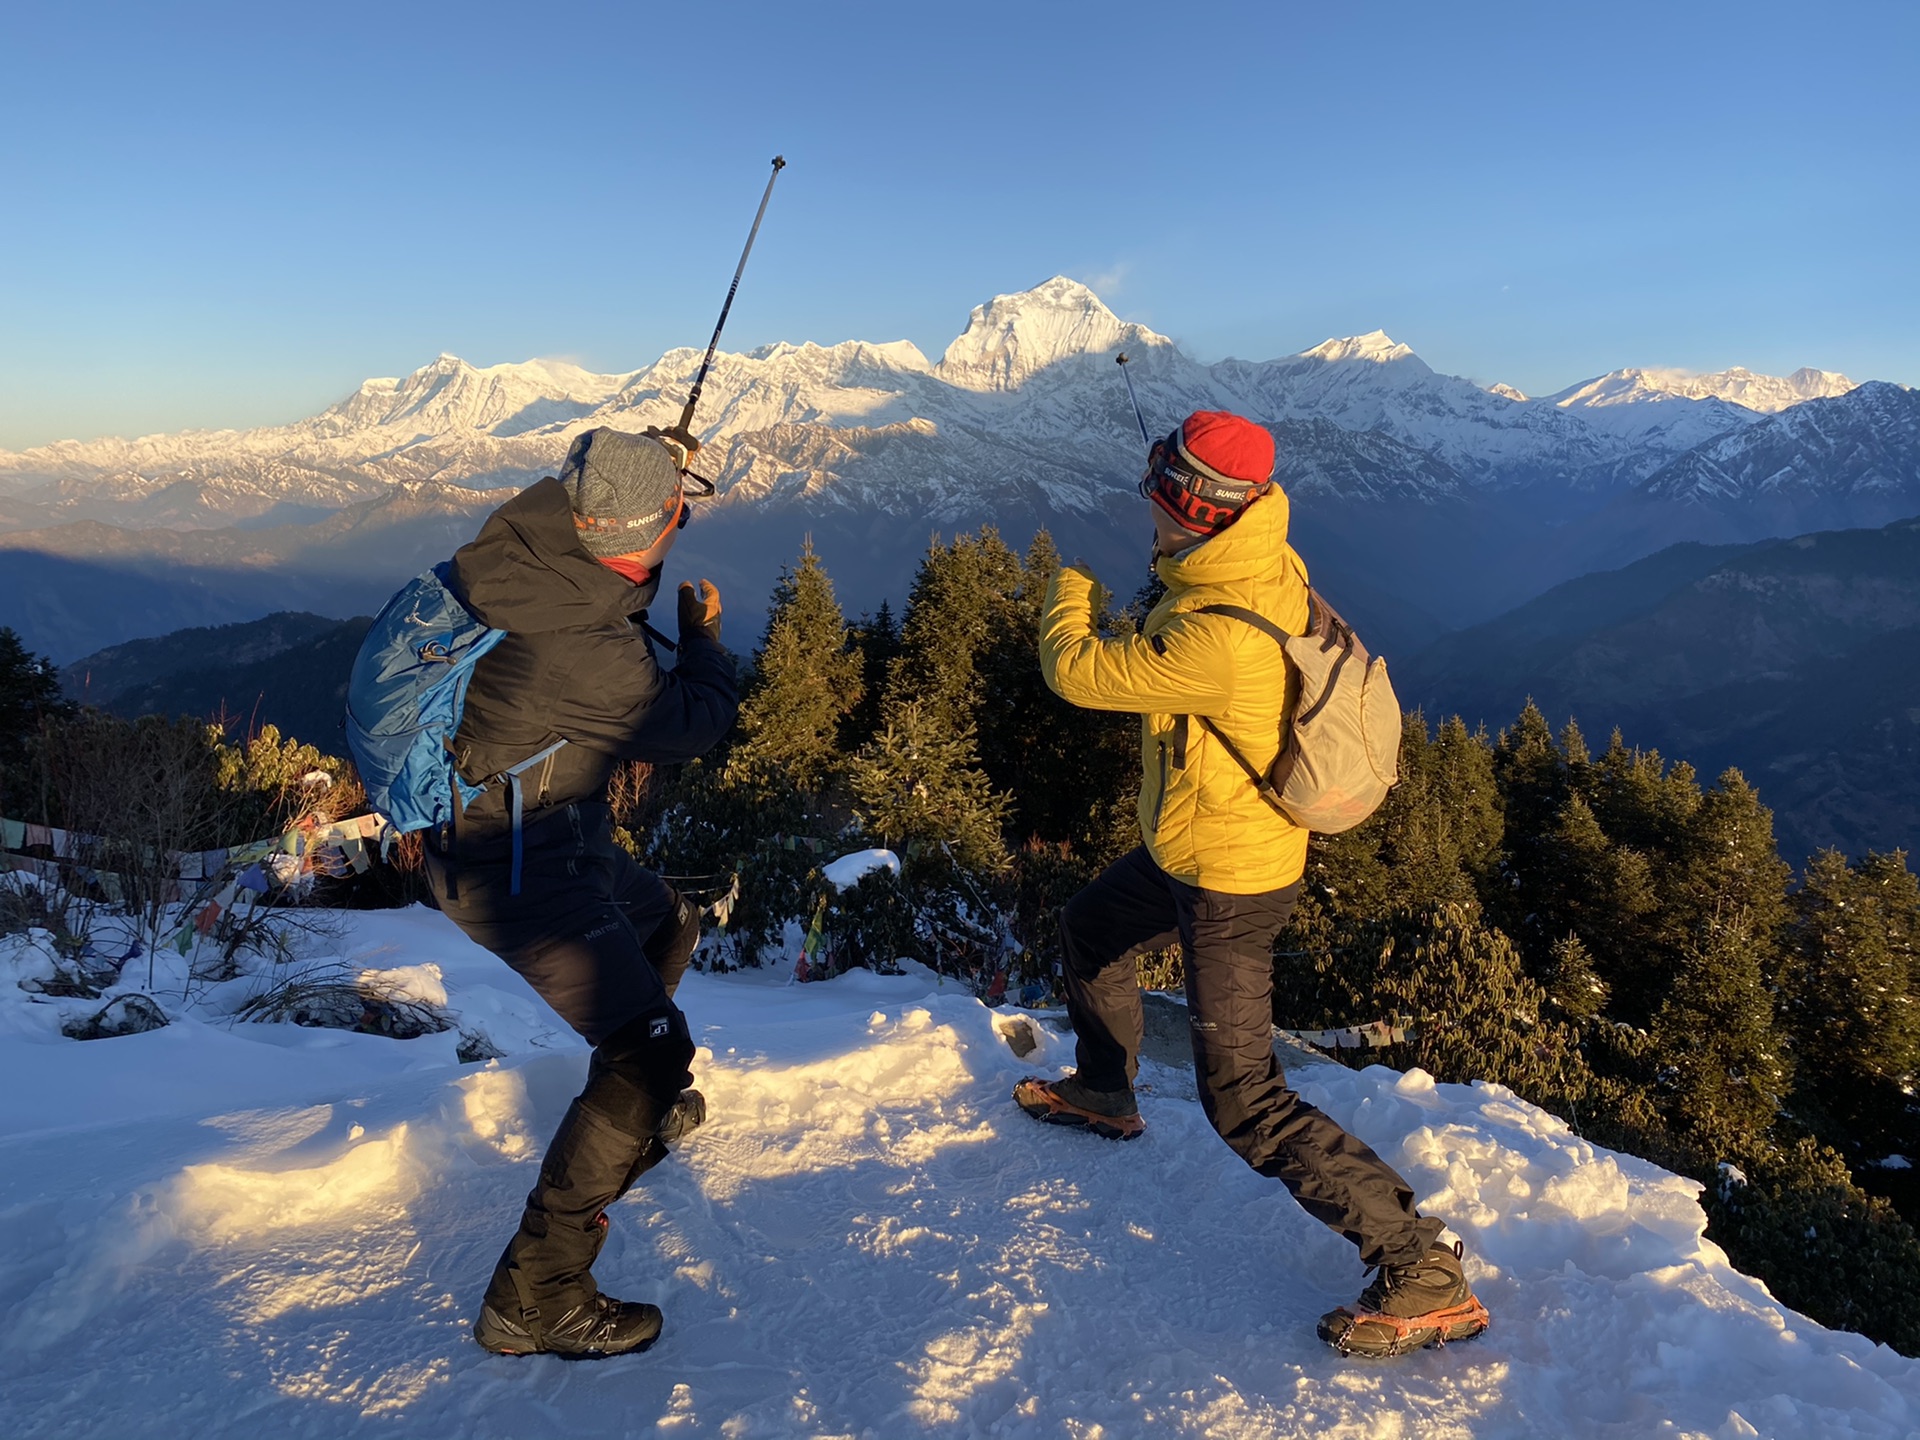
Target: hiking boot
(687, 1114)
(592, 1330)
(1110, 1113)
(1408, 1307)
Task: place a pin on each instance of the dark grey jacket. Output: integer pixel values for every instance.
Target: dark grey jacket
(576, 664)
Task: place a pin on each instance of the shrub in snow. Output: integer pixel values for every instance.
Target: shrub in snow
(124, 1015)
(475, 1046)
(59, 927)
(871, 923)
(1798, 1222)
(711, 828)
(374, 1002)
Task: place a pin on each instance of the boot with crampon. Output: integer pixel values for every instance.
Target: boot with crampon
(1408, 1307)
(1110, 1113)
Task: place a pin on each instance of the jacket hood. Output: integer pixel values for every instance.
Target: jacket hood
(1254, 547)
(527, 572)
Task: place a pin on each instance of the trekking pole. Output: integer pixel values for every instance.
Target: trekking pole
(1121, 361)
(693, 399)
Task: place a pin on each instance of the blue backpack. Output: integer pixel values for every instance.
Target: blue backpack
(405, 697)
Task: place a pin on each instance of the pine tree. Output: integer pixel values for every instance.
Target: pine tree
(1066, 769)
(805, 682)
(956, 604)
(917, 784)
(1638, 801)
(1730, 873)
(876, 640)
(1726, 1069)
(1606, 895)
(1573, 748)
(29, 694)
(1848, 1000)
(1440, 827)
(1469, 796)
(920, 777)
(1572, 983)
(753, 808)
(1531, 775)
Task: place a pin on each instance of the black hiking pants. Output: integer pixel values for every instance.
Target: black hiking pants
(1226, 942)
(605, 943)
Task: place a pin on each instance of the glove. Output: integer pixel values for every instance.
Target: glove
(699, 611)
(679, 442)
(689, 1112)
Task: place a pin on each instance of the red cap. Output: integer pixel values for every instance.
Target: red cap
(1208, 470)
(1230, 445)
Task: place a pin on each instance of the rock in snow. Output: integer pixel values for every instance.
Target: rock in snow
(243, 1230)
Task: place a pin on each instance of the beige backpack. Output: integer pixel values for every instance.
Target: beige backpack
(1340, 749)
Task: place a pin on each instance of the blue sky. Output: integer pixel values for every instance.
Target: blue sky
(221, 214)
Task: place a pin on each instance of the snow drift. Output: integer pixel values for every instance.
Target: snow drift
(238, 1230)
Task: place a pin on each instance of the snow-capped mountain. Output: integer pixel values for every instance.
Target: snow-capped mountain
(1013, 337)
(450, 397)
(1842, 462)
(1318, 460)
(1030, 367)
(1634, 405)
(1023, 421)
(1690, 409)
(1864, 444)
(1766, 394)
(1491, 438)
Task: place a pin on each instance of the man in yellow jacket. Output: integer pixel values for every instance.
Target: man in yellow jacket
(1220, 872)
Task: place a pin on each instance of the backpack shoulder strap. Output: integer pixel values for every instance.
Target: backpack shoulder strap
(1251, 617)
(1261, 783)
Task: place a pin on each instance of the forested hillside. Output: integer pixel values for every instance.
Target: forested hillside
(1791, 660)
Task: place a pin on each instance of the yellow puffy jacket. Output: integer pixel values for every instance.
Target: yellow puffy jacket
(1203, 821)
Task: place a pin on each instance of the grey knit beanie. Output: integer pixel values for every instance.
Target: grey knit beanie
(625, 490)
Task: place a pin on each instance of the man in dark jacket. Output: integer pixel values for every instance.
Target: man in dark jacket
(568, 568)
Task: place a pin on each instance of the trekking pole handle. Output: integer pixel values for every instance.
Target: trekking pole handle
(699, 380)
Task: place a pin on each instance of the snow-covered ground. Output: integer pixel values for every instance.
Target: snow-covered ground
(247, 1230)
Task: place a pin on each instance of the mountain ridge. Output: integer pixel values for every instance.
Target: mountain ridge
(1426, 493)
(1007, 342)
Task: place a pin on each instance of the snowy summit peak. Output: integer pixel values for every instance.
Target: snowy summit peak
(1013, 336)
(1376, 346)
(1767, 394)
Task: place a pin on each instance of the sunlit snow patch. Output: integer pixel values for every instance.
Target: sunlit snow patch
(848, 870)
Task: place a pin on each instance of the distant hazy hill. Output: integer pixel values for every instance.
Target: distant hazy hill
(1796, 660)
(1833, 743)
(299, 686)
(101, 677)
